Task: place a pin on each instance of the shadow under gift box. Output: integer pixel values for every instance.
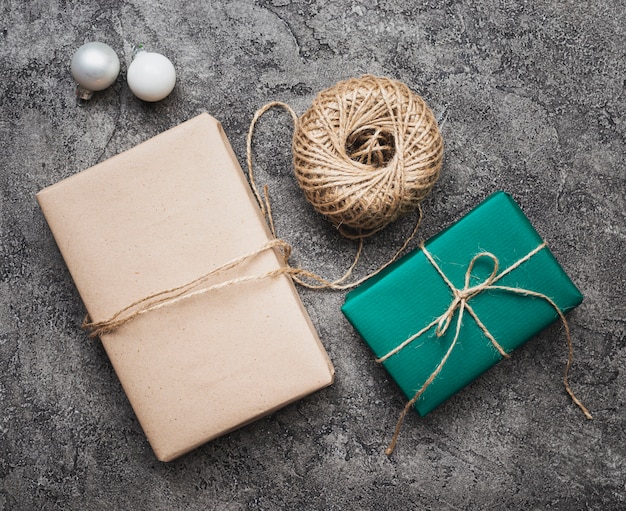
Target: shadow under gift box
(394, 305)
(156, 217)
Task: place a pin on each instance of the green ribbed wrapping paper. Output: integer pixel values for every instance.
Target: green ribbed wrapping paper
(400, 301)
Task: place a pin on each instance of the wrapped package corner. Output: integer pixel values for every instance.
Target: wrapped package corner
(397, 303)
(158, 216)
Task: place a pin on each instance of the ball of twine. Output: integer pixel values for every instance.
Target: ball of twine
(366, 152)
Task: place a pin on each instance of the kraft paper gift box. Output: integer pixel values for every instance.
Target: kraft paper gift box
(391, 308)
(156, 217)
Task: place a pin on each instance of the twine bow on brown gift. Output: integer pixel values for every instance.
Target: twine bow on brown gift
(196, 287)
(458, 306)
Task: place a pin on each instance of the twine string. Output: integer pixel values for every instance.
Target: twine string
(460, 299)
(185, 291)
(370, 150)
(172, 296)
(372, 182)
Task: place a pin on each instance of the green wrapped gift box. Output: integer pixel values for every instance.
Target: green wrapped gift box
(400, 312)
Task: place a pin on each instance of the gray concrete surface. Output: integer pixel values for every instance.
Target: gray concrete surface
(531, 95)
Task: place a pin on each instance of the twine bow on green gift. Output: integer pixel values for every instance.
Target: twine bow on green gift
(460, 304)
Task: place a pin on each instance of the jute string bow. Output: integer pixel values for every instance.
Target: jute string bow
(458, 306)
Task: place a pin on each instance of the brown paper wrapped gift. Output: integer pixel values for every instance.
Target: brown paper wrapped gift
(158, 216)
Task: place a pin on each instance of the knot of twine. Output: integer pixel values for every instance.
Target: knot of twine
(460, 304)
(366, 152)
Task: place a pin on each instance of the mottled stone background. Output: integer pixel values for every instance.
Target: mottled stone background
(531, 99)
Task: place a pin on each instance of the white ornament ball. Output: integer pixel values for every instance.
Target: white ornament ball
(95, 66)
(151, 76)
